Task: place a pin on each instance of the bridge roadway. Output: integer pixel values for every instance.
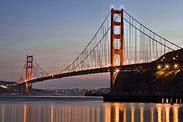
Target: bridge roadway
(170, 58)
(131, 67)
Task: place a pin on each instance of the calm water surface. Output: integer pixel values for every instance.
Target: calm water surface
(84, 109)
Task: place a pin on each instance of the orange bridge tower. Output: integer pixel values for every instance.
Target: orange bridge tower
(117, 42)
(29, 74)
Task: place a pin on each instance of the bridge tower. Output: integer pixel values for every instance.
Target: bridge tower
(117, 42)
(29, 74)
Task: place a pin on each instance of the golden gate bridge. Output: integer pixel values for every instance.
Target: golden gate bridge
(120, 43)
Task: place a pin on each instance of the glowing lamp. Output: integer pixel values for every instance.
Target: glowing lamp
(176, 65)
(117, 70)
(159, 66)
(112, 7)
(167, 66)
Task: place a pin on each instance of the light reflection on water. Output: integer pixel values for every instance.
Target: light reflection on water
(89, 112)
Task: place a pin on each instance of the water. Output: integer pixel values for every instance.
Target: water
(84, 109)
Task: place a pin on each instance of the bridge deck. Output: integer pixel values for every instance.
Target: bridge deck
(90, 71)
(167, 59)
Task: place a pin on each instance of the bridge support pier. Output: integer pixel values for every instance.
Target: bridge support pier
(117, 42)
(112, 78)
(28, 88)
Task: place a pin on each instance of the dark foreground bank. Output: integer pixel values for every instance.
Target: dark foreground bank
(159, 81)
(144, 99)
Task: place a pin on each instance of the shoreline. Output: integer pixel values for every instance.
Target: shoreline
(50, 98)
(144, 99)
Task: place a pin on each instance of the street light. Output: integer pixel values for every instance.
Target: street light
(117, 70)
(159, 66)
(167, 66)
(176, 66)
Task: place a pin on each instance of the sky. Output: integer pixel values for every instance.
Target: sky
(55, 31)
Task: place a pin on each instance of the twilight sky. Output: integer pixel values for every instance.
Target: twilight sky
(55, 31)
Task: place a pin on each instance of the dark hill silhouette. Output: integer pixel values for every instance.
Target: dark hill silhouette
(164, 79)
